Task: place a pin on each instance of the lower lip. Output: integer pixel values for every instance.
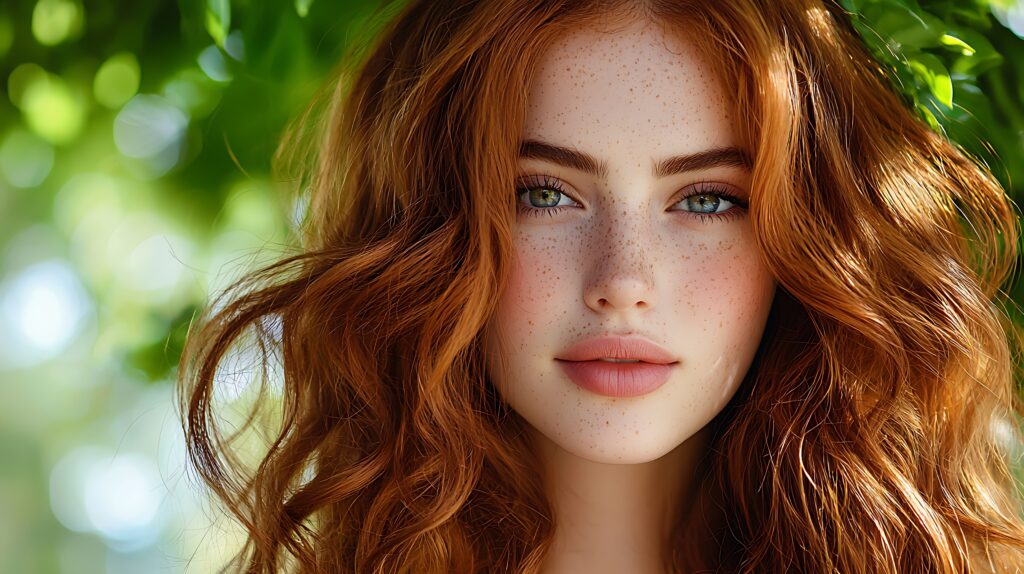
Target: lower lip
(617, 379)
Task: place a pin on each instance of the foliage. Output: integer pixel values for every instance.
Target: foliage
(960, 70)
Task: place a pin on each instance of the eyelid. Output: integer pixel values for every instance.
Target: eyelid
(548, 182)
(732, 193)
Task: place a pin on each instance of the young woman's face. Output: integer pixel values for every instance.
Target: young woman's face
(618, 249)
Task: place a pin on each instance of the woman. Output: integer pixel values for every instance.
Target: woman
(628, 287)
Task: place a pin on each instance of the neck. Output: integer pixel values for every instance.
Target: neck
(615, 517)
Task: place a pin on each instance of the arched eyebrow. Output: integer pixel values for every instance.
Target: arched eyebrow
(582, 161)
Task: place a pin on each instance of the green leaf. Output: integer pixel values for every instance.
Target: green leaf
(901, 26)
(984, 57)
(930, 118)
(933, 72)
(218, 20)
(950, 40)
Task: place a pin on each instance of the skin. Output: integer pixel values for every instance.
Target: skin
(626, 255)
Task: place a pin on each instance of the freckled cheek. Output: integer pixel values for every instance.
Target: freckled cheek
(539, 287)
(729, 291)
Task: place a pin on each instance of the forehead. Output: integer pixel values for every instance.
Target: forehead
(635, 90)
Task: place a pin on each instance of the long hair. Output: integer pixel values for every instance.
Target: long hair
(874, 431)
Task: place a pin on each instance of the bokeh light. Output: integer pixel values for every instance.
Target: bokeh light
(117, 80)
(152, 129)
(53, 109)
(42, 308)
(116, 495)
(1011, 14)
(148, 258)
(54, 21)
(193, 91)
(234, 45)
(25, 159)
(122, 499)
(23, 76)
(213, 64)
(120, 205)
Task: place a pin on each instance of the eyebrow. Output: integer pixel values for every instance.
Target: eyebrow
(714, 157)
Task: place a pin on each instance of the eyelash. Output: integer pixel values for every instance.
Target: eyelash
(699, 188)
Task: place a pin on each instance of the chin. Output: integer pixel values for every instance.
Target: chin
(613, 446)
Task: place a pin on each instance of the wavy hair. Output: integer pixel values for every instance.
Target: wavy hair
(875, 431)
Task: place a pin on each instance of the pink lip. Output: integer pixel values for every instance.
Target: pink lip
(617, 379)
(580, 362)
(617, 348)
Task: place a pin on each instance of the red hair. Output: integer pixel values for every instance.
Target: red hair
(873, 431)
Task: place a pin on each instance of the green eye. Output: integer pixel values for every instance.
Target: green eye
(710, 201)
(705, 203)
(542, 197)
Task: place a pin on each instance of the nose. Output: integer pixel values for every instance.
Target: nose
(620, 266)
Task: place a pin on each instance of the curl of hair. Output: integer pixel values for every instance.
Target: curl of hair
(873, 432)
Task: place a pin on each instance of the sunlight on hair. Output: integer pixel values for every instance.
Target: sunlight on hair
(1007, 437)
(821, 23)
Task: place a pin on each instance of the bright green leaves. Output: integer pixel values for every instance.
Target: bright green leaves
(930, 70)
(928, 47)
(218, 20)
(950, 40)
(979, 56)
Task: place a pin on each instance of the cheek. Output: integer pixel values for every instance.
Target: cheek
(727, 288)
(723, 313)
(538, 289)
(536, 298)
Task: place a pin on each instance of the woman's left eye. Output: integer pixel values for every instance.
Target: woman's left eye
(710, 201)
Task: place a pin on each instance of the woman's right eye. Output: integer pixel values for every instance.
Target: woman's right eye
(542, 195)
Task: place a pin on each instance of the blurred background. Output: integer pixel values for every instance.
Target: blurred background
(135, 182)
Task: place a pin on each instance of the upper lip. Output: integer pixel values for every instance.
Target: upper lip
(633, 347)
